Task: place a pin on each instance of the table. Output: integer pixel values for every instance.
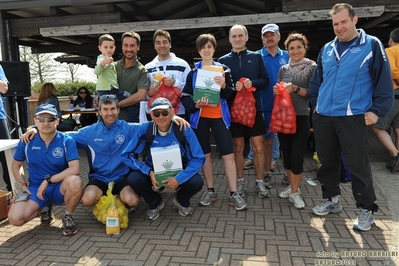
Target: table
(9, 146)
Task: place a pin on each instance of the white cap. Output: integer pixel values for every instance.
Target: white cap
(271, 28)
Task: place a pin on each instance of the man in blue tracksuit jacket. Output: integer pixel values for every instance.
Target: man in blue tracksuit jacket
(142, 179)
(350, 89)
(104, 142)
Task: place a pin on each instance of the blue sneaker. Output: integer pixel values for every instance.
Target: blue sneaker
(327, 207)
(364, 221)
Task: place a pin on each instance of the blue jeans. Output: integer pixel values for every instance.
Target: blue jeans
(275, 148)
(141, 183)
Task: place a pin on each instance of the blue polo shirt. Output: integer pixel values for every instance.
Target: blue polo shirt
(44, 161)
(272, 64)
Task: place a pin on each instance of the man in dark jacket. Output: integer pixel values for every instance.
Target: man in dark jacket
(249, 65)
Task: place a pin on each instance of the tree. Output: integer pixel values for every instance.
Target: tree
(73, 70)
(43, 68)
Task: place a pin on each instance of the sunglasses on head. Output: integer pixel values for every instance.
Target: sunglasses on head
(158, 113)
(108, 96)
(46, 119)
(82, 92)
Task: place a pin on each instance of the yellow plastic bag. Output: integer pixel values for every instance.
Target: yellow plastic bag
(106, 202)
(316, 158)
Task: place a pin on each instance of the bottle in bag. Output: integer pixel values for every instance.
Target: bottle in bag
(112, 226)
(157, 78)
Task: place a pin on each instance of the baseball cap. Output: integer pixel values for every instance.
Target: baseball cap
(160, 103)
(270, 27)
(46, 108)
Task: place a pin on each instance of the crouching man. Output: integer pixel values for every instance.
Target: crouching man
(163, 133)
(53, 166)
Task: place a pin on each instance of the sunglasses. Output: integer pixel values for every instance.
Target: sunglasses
(108, 96)
(158, 113)
(46, 119)
(82, 92)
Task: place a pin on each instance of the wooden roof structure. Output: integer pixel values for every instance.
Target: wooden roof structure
(73, 26)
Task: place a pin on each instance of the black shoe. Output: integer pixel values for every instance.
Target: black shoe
(69, 225)
(47, 218)
(395, 163)
(389, 165)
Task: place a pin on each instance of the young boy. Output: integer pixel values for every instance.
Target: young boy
(107, 82)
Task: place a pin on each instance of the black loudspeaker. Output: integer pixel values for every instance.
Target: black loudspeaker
(18, 76)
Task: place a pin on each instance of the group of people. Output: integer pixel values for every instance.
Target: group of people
(349, 87)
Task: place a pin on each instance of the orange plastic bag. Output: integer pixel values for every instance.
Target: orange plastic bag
(243, 109)
(283, 114)
(171, 93)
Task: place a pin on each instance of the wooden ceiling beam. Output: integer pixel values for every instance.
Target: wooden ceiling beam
(243, 5)
(208, 22)
(31, 26)
(378, 20)
(292, 5)
(56, 11)
(12, 4)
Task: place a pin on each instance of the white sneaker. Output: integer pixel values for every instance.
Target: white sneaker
(286, 193)
(261, 190)
(297, 199)
(364, 221)
(241, 187)
(327, 207)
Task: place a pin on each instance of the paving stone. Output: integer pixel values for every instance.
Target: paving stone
(271, 232)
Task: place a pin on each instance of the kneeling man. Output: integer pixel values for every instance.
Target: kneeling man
(162, 133)
(53, 166)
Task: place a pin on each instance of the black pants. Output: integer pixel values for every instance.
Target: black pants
(346, 134)
(142, 185)
(293, 146)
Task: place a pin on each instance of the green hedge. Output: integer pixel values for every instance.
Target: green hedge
(70, 88)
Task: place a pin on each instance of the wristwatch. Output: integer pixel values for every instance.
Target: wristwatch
(48, 179)
(297, 89)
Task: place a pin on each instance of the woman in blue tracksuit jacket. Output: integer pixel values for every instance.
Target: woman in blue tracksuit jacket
(347, 88)
(204, 118)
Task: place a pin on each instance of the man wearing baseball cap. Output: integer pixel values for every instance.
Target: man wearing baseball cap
(53, 165)
(164, 134)
(273, 58)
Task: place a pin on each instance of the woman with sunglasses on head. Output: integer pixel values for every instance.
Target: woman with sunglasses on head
(84, 100)
(204, 117)
(48, 94)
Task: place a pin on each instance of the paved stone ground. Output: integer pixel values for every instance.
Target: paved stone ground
(270, 232)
